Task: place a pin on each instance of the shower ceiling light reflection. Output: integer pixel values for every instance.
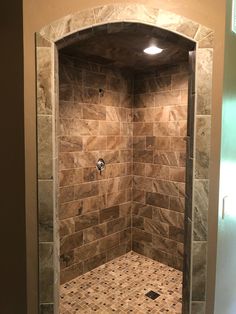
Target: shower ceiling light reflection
(152, 50)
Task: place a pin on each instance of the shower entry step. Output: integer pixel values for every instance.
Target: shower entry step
(127, 284)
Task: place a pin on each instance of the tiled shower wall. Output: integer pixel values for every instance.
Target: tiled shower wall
(109, 114)
(159, 142)
(95, 112)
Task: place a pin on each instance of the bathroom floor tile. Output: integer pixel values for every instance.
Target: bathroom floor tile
(120, 286)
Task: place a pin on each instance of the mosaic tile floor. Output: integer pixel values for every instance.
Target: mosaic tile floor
(120, 286)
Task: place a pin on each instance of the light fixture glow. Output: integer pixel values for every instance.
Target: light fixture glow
(153, 50)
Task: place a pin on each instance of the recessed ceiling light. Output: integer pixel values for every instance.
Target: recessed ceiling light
(153, 50)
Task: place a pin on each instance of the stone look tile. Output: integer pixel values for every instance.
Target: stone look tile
(46, 272)
(203, 128)
(44, 63)
(45, 207)
(199, 271)
(46, 308)
(204, 88)
(198, 307)
(141, 274)
(44, 147)
(61, 27)
(201, 192)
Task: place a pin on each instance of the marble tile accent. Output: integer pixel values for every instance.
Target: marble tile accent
(199, 271)
(177, 23)
(203, 128)
(46, 272)
(201, 193)
(44, 147)
(44, 68)
(198, 307)
(204, 87)
(45, 207)
(46, 308)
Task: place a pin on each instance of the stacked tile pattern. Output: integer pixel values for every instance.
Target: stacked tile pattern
(159, 143)
(95, 113)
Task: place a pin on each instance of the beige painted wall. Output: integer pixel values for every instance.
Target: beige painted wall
(39, 13)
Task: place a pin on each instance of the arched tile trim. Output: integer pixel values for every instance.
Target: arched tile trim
(47, 109)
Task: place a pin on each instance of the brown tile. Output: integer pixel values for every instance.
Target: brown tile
(117, 225)
(116, 198)
(143, 156)
(118, 251)
(170, 217)
(177, 204)
(71, 241)
(71, 272)
(178, 144)
(110, 213)
(67, 226)
(157, 199)
(139, 142)
(108, 242)
(139, 169)
(86, 251)
(85, 95)
(66, 259)
(94, 112)
(95, 233)
(70, 144)
(176, 234)
(143, 129)
(137, 222)
(94, 203)
(70, 209)
(142, 210)
(166, 158)
(86, 190)
(94, 80)
(139, 196)
(156, 227)
(157, 171)
(166, 187)
(168, 98)
(164, 244)
(177, 174)
(143, 183)
(95, 143)
(86, 220)
(162, 143)
(141, 236)
(109, 128)
(179, 81)
(166, 129)
(143, 115)
(125, 209)
(70, 177)
(94, 262)
(90, 174)
(144, 100)
(66, 194)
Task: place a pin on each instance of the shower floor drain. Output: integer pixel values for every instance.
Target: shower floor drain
(152, 295)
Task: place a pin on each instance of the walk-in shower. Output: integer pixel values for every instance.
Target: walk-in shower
(119, 169)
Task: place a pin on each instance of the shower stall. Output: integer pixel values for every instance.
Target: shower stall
(121, 180)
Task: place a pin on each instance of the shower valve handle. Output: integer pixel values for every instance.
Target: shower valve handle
(100, 165)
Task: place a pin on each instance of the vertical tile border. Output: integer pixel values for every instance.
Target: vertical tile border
(47, 111)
